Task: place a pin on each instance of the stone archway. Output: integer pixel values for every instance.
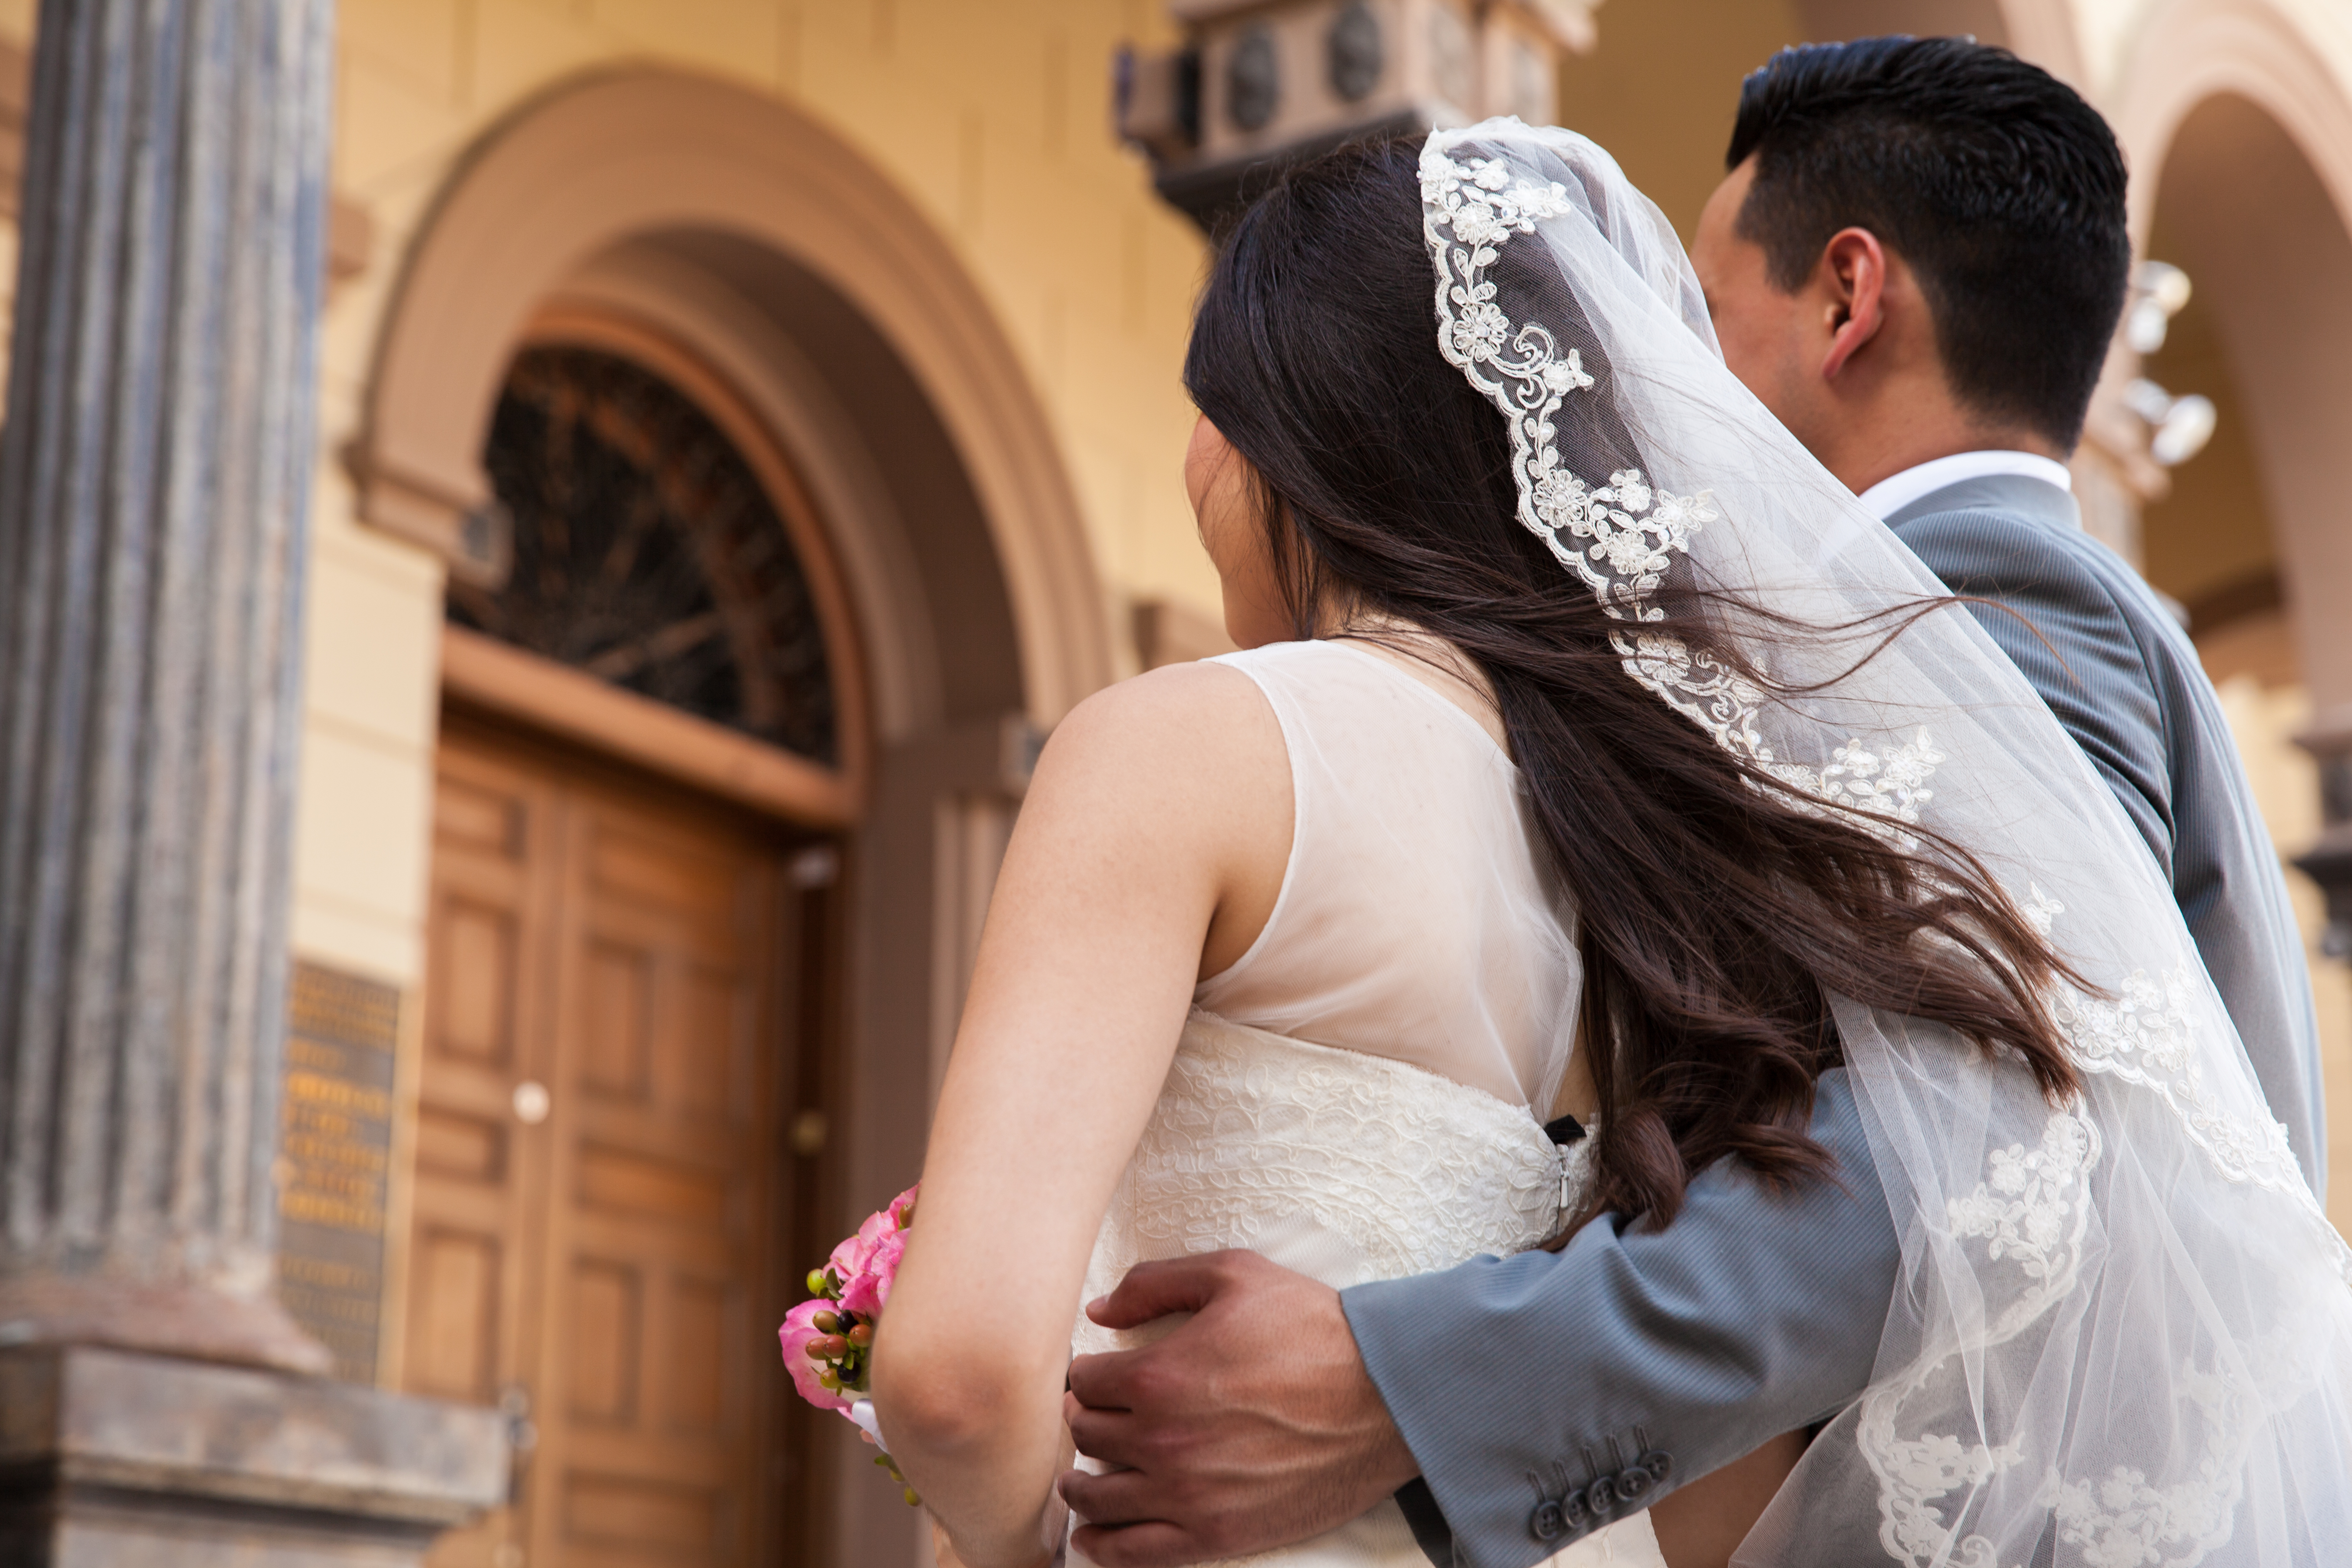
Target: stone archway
(765, 249)
(766, 202)
(2238, 125)
(2228, 114)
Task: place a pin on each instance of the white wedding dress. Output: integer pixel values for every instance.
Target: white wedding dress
(1352, 1098)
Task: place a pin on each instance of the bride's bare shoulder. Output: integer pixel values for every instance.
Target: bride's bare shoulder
(1192, 751)
(1204, 712)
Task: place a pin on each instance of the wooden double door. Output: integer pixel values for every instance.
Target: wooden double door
(601, 1216)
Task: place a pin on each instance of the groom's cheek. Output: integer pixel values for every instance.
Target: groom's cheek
(1750, 350)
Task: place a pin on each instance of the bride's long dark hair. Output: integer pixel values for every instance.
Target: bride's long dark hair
(1714, 915)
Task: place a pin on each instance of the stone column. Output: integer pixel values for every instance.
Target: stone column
(154, 472)
(155, 479)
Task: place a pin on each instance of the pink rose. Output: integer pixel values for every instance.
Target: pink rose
(868, 1262)
(884, 1269)
(799, 1330)
(855, 1255)
(861, 1296)
(866, 1294)
(849, 1259)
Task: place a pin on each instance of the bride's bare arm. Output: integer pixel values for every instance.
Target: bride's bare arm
(1149, 850)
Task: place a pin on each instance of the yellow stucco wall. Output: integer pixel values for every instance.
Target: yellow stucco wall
(992, 119)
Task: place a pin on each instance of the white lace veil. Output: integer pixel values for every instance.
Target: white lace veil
(2123, 1334)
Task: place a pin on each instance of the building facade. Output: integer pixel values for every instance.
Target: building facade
(744, 427)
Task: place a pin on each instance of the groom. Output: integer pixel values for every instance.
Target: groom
(1917, 263)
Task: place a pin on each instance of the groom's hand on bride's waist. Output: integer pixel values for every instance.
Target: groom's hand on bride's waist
(1251, 1425)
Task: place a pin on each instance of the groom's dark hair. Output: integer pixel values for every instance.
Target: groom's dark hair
(1991, 178)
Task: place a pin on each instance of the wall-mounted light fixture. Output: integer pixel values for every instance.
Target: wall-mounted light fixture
(2159, 292)
(2177, 427)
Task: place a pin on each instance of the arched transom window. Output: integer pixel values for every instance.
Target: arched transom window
(648, 554)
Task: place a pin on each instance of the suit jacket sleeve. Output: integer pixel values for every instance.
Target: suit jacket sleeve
(1518, 1381)
(2063, 628)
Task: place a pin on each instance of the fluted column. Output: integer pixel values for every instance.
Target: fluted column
(154, 474)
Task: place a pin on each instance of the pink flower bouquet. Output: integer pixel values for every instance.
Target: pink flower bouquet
(828, 1339)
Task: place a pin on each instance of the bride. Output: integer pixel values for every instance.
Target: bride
(1591, 749)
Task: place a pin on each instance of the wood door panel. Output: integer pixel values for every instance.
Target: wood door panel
(672, 1140)
(621, 950)
(454, 1342)
(632, 917)
(637, 1515)
(476, 949)
(710, 1078)
(701, 1351)
(472, 1291)
(478, 814)
(661, 1459)
(494, 882)
(709, 1257)
(618, 1054)
(642, 862)
(460, 1146)
(608, 1318)
(636, 1184)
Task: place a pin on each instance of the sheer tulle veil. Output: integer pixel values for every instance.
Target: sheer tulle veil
(2123, 1334)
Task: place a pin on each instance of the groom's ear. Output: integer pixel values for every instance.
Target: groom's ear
(1851, 283)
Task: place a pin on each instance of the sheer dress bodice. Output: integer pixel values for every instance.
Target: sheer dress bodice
(1354, 1097)
(1418, 918)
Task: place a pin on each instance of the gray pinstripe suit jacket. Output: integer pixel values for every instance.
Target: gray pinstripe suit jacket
(1519, 1379)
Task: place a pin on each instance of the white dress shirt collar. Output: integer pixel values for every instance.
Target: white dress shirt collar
(1892, 494)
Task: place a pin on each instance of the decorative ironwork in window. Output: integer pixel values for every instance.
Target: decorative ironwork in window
(648, 554)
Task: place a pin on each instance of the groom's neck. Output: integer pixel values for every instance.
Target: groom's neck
(1866, 389)
(1888, 404)
(1877, 442)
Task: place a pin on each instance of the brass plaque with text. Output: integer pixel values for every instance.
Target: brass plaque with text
(335, 1160)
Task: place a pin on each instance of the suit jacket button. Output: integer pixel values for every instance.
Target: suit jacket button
(1547, 1522)
(1577, 1509)
(1631, 1485)
(1658, 1462)
(1601, 1495)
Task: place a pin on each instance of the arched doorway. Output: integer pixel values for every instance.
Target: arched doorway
(753, 266)
(2213, 540)
(651, 739)
(2240, 145)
